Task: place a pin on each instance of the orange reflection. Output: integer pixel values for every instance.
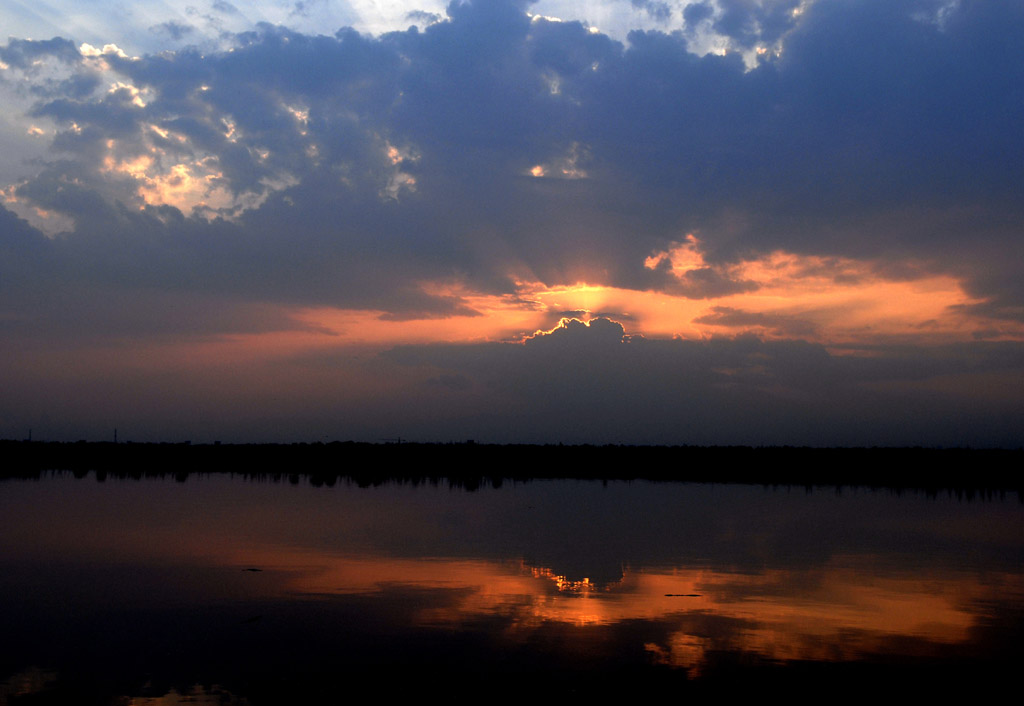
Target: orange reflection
(844, 610)
(198, 694)
(846, 607)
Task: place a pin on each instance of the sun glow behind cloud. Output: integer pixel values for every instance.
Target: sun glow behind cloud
(831, 300)
(216, 191)
(792, 304)
(834, 301)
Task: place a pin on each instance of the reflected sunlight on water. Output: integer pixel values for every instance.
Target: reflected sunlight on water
(187, 592)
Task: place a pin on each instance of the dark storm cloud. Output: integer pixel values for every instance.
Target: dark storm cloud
(749, 22)
(698, 12)
(25, 258)
(22, 53)
(65, 292)
(882, 130)
(776, 323)
(594, 383)
(112, 116)
(707, 282)
(31, 69)
(16, 231)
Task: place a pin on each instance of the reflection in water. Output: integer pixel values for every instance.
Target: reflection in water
(214, 696)
(36, 682)
(148, 589)
(32, 680)
(843, 610)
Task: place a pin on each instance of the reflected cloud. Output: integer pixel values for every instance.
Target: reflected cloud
(32, 680)
(847, 610)
(198, 694)
(510, 574)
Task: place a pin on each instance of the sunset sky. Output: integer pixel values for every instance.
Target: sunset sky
(607, 221)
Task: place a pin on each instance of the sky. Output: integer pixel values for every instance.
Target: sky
(611, 221)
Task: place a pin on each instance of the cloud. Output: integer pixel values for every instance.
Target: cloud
(174, 30)
(821, 150)
(578, 336)
(24, 53)
(775, 323)
(748, 22)
(658, 10)
(304, 7)
(224, 7)
(426, 174)
(697, 12)
(421, 17)
(583, 382)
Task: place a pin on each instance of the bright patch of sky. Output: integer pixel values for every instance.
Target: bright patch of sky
(157, 25)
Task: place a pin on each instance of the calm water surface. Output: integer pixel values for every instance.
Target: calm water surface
(223, 590)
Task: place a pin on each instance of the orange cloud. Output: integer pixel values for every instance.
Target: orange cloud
(829, 300)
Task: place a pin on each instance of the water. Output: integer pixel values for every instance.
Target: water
(223, 590)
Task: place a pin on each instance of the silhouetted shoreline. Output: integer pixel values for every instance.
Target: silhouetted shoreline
(471, 465)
